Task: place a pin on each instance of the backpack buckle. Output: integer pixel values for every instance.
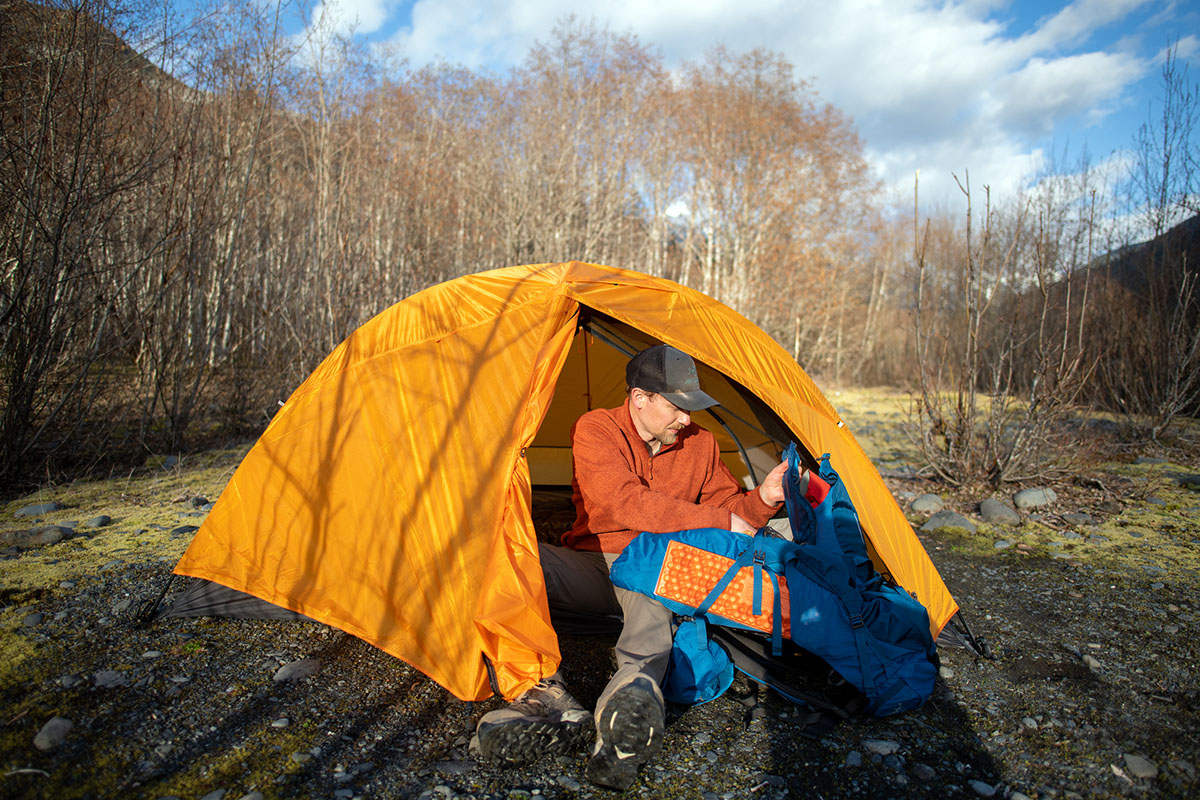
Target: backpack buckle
(856, 621)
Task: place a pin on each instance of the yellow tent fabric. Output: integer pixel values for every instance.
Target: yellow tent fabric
(391, 495)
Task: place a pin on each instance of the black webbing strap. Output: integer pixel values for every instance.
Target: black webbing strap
(148, 611)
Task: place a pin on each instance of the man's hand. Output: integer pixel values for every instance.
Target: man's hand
(771, 489)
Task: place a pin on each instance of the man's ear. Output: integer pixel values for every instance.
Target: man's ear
(638, 397)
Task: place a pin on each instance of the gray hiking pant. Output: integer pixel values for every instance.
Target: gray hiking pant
(579, 581)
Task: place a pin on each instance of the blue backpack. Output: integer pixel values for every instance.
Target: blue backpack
(819, 592)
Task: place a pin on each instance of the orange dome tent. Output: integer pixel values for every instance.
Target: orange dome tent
(391, 495)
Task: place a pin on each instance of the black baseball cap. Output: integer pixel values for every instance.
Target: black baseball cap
(664, 370)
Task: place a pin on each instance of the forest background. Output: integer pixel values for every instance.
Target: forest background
(192, 217)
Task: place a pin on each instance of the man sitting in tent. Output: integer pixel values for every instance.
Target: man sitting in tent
(641, 467)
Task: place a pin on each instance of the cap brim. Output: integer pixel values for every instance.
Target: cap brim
(691, 401)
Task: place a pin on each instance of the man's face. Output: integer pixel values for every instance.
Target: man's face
(657, 418)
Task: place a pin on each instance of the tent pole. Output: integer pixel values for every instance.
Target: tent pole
(738, 442)
(587, 364)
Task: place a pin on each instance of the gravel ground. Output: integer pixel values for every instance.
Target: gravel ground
(1091, 691)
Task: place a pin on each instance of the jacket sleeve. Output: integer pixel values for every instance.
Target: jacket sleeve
(722, 490)
(615, 497)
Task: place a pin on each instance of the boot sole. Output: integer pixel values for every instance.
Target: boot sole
(631, 733)
(522, 741)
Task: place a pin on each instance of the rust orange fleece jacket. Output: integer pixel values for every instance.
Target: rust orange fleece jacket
(619, 489)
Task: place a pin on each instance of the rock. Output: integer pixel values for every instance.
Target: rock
(1002, 544)
(853, 759)
(182, 529)
(569, 783)
(948, 519)
(1030, 723)
(152, 654)
(50, 534)
(122, 606)
(927, 504)
(53, 733)
(259, 796)
(1078, 519)
(945, 672)
(1091, 662)
(982, 789)
(1156, 501)
(995, 512)
(1030, 498)
(297, 670)
(1140, 767)
(924, 772)
(38, 509)
(1188, 481)
(101, 521)
(301, 757)
(882, 747)
(1149, 460)
(215, 794)
(453, 767)
(282, 722)
(110, 679)
(33, 620)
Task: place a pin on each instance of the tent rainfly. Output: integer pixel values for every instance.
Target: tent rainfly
(391, 494)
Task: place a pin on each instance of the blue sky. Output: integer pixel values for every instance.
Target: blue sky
(996, 88)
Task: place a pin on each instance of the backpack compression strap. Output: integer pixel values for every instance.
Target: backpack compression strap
(751, 555)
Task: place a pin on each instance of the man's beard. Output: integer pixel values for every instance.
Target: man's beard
(669, 436)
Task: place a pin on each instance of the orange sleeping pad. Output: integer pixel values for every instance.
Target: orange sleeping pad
(688, 574)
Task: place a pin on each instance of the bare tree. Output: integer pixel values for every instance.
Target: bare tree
(75, 144)
(1000, 359)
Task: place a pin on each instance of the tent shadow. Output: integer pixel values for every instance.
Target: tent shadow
(240, 744)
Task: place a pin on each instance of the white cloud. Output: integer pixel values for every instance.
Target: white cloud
(1035, 98)
(1074, 23)
(357, 16)
(935, 86)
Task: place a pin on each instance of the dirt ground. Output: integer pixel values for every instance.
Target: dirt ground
(1090, 692)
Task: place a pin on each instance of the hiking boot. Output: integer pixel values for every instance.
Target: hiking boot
(629, 734)
(545, 719)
